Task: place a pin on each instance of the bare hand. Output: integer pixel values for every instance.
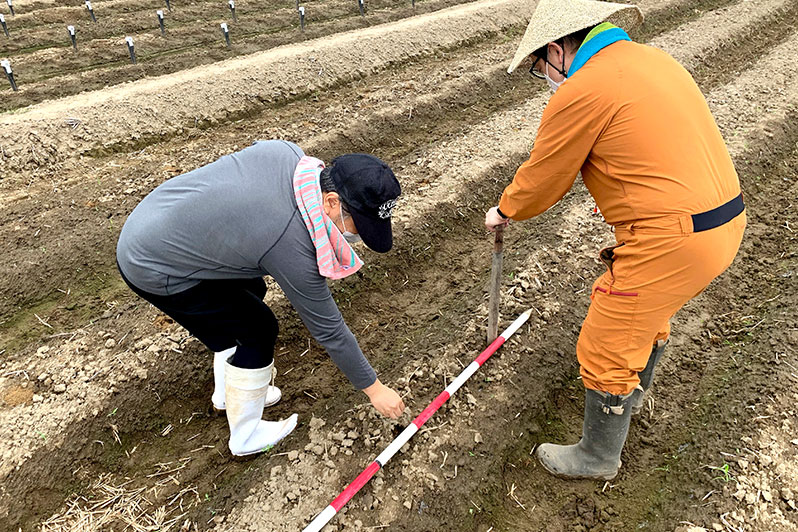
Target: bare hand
(385, 400)
(493, 219)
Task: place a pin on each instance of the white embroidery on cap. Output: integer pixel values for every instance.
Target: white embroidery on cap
(386, 208)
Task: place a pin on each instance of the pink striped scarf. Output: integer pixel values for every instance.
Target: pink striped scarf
(335, 257)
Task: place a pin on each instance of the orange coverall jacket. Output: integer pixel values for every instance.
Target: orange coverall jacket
(637, 126)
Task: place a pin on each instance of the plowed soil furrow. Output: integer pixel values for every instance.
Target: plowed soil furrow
(46, 69)
(157, 108)
(434, 108)
(127, 384)
(488, 87)
(44, 142)
(516, 156)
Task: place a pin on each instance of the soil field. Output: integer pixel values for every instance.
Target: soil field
(47, 66)
(104, 402)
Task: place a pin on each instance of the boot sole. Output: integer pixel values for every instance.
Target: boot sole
(244, 457)
(582, 477)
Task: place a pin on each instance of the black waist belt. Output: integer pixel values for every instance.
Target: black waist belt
(718, 216)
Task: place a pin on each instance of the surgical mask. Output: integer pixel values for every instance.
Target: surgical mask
(349, 236)
(352, 238)
(553, 85)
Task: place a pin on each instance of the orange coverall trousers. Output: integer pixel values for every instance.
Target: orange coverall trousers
(653, 270)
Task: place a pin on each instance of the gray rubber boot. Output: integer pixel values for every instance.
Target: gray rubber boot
(647, 377)
(598, 453)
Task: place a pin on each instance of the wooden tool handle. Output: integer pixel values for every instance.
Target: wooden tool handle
(495, 284)
(498, 242)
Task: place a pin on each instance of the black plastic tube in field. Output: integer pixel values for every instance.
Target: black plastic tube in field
(6, 64)
(11, 7)
(232, 5)
(361, 7)
(301, 18)
(5, 27)
(91, 11)
(226, 33)
(131, 49)
(73, 37)
(160, 21)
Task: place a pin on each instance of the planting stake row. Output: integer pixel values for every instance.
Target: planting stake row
(362, 479)
(161, 25)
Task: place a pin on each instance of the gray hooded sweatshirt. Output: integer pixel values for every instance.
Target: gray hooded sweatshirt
(237, 218)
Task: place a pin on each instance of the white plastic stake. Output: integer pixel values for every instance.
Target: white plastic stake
(11, 6)
(160, 21)
(91, 10)
(302, 18)
(226, 32)
(3, 22)
(362, 8)
(232, 5)
(6, 64)
(72, 37)
(129, 41)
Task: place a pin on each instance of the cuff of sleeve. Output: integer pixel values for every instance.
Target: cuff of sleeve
(505, 207)
(365, 381)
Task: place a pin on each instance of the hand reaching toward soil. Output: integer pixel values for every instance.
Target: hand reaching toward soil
(385, 400)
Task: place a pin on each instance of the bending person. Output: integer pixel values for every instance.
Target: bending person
(197, 247)
(636, 125)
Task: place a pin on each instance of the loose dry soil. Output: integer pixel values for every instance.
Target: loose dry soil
(104, 402)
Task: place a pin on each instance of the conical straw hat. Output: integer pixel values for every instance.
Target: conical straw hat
(554, 19)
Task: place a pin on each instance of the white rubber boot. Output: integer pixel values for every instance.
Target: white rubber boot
(217, 399)
(246, 391)
(219, 361)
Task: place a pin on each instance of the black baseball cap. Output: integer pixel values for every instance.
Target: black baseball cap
(368, 187)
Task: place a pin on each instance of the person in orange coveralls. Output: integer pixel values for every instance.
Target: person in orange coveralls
(633, 121)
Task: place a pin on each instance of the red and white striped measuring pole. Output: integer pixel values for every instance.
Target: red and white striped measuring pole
(362, 479)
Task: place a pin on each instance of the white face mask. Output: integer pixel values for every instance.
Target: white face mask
(349, 236)
(553, 85)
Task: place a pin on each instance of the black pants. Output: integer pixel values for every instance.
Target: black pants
(223, 314)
